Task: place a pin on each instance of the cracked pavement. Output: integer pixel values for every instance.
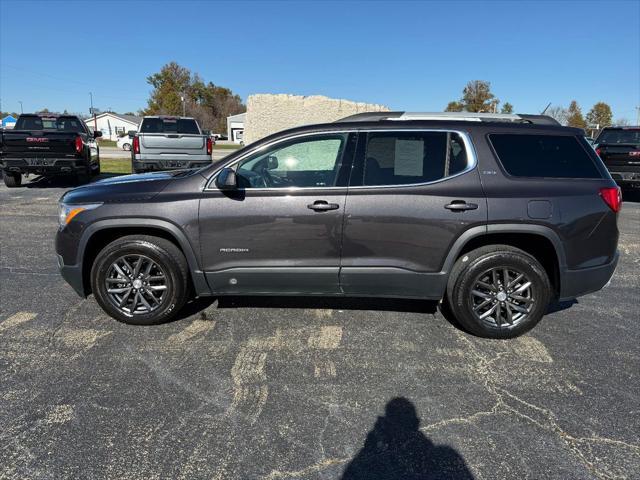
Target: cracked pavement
(277, 388)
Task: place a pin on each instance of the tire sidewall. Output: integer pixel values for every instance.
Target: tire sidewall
(175, 286)
(461, 295)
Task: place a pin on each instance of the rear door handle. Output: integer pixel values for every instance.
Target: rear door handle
(461, 205)
(323, 206)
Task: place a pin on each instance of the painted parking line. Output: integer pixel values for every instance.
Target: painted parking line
(16, 319)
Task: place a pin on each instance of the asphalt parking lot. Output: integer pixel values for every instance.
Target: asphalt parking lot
(307, 388)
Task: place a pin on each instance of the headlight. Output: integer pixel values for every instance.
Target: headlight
(66, 212)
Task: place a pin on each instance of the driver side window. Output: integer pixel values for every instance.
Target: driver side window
(303, 162)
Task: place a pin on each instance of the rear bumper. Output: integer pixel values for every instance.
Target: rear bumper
(576, 283)
(626, 177)
(139, 165)
(46, 166)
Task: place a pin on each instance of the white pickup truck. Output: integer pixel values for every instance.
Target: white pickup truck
(165, 143)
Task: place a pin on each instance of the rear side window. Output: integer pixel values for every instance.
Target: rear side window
(401, 158)
(170, 125)
(549, 156)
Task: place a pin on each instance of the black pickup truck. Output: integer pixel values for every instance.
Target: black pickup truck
(48, 144)
(619, 148)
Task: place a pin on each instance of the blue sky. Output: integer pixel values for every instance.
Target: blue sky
(408, 55)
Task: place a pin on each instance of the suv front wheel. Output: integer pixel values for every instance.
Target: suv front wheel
(498, 291)
(141, 280)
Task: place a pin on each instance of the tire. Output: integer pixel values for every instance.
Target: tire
(12, 180)
(126, 147)
(469, 299)
(171, 272)
(83, 176)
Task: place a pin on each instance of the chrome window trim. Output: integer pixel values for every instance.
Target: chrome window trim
(472, 160)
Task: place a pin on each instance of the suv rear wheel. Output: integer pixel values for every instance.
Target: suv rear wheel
(140, 280)
(498, 291)
(12, 180)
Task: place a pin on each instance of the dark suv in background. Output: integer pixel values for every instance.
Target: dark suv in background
(498, 215)
(619, 148)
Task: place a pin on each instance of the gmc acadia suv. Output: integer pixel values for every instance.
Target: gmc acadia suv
(498, 215)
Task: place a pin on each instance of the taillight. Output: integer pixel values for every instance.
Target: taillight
(136, 145)
(209, 146)
(598, 151)
(79, 144)
(612, 196)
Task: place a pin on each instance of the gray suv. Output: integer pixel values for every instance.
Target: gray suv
(496, 215)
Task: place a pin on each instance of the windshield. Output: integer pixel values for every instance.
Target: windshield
(170, 125)
(618, 136)
(59, 124)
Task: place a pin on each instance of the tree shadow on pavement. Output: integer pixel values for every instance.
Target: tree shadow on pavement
(395, 449)
(61, 181)
(332, 303)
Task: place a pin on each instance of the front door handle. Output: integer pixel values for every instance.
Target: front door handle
(323, 206)
(461, 205)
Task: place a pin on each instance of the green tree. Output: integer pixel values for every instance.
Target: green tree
(574, 116)
(169, 85)
(454, 107)
(600, 115)
(507, 108)
(208, 103)
(476, 97)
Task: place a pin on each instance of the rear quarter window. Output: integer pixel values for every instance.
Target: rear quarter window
(549, 156)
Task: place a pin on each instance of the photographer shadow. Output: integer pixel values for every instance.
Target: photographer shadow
(397, 450)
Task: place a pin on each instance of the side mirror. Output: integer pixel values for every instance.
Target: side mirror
(272, 162)
(97, 134)
(131, 133)
(226, 179)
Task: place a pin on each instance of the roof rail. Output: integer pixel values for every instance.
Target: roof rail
(452, 116)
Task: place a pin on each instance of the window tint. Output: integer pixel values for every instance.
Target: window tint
(398, 158)
(61, 124)
(618, 136)
(308, 162)
(543, 156)
(170, 125)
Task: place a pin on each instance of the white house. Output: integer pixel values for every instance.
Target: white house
(112, 125)
(235, 127)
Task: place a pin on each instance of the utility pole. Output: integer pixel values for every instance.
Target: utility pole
(20, 102)
(93, 112)
(184, 112)
(638, 119)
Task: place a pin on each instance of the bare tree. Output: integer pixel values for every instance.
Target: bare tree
(558, 112)
(623, 122)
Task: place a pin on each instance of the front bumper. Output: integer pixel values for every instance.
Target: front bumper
(72, 274)
(576, 283)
